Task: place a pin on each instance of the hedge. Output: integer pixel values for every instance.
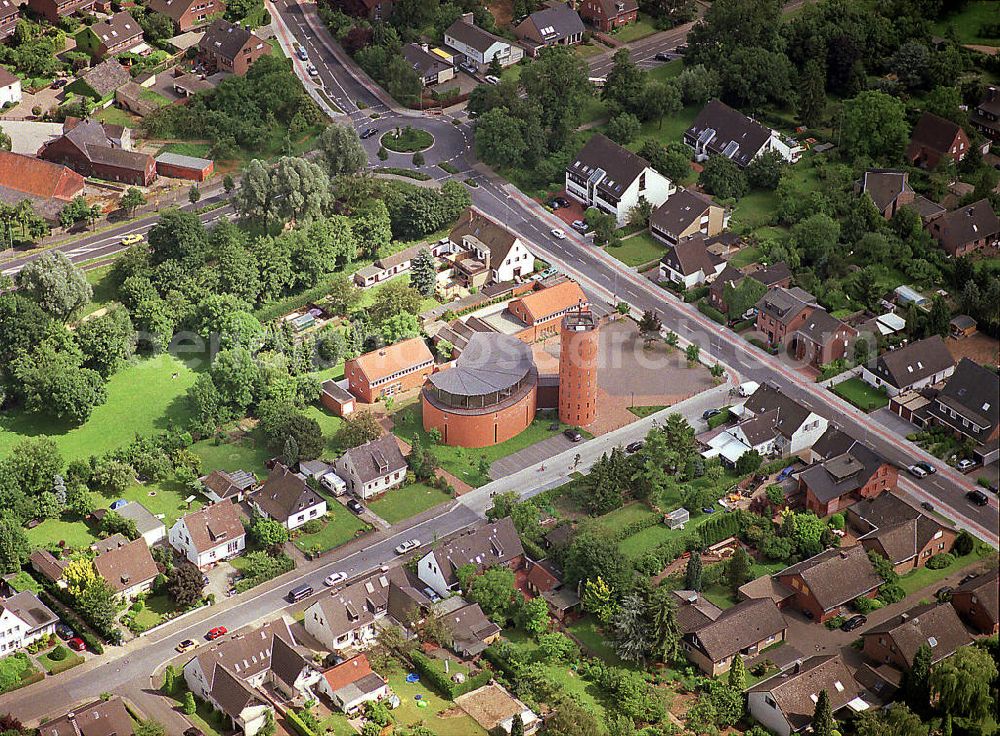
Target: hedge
(66, 664)
(440, 682)
(723, 417)
(72, 619)
(711, 312)
(693, 295)
(718, 528)
(762, 345)
(775, 465)
(297, 724)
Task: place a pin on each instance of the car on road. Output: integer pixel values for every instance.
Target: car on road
(132, 239)
(580, 226)
(337, 577)
(558, 234)
(927, 467)
(854, 622)
(59, 84)
(633, 447)
(311, 70)
(573, 435)
(356, 507)
(944, 593)
(408, 546)
(966, 464)
(301, 53)
(977, 497)
(64, 632)
(186, 645)
(664, 56)
(917, 472)
(709, 413)
(368, 133)
(216, 632)
(927, 506)
(490, 79)
(682, 49)
(76, 644)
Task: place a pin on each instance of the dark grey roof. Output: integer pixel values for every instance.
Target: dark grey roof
(794, 690)
(231, 693)
(972, 391)
(904, 541)
(842, 474)
(469, 629)
(285, 494)
(821, 326)
(106, 77)
(117, 28)
(490, 233)
(739, 627)
(472, 35)
(287, 662)
(694, 610)
(226, 39)
(100, 718)
(728, 133)
(836, 576)
(884, 186)
(934, 133)
(965, 225)
(144, 520)
(612, 167)
(912, 363)
(833, 442)
(348, 609)
(760, 428)
(494, 544)
(934, 624)
(225, 485)
(332, 389)
(926, 208)
(424, 62)
(773, 274)
(178, 159)
(377, 458)
(490, 362)
(690, 256)
(791, 414)
(885, 510)
(782, 304)
(681, 211)
(238, 657)
(556, 22)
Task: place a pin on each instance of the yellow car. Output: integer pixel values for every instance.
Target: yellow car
(132, 239)
(186, 645)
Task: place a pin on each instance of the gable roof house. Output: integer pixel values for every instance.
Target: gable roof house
(822, 338)
(221, 486)
(187, 14)
(694, 610)
(977, 604)
(493, 545)
(744, 630)
(479, 46)
(899, 532)
(109, 37)
(352, 683)
(612, 179)
(10, 14)
(896, 641)
(470, 630)
(785, 703)
(48, 566)
(24, 620)
(542, 309)
(53, 10)
(150, 528)
(821, 586)
(389, 370)
(286, 498)
(719, 130)
(97, 150)
(372, 468)
(607, 15)
(889, 190)
(100, 718)
(686, 214)
(911, 367)
(100, 81)
(487, 252)
(968, 405)
(777, 275)
(228, 47)
(689, 263)
(128, 568)
(934, 138)
(431, 68)
(986, 116)
(781, 311)
(556, 25)
(966, 229)
(47, 185)
(857, 473)
(209, 535)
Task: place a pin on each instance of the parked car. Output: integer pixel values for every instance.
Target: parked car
(301, 53)
(76, 644)
(927, 505)
(966, 464)
(682, 49)
(490, 79)
(944, 593)
(132, 239)
(59, 84)
(664, 56)
(311, 70)
(216, 632)
(432, 594)
(927, 467)
(977, 497)
(632, 447)
(708, 509)
(368, 133)
(709, 413)
(558, 233)
(64, 632)
(563, 202)
(186, 645)
(554, 204)
(917, 472)
(854, 622)
(580, 226)
(356, 507)
(573, 435)
(408, 546)
(468, 68)
(337, 577)
(967, 578)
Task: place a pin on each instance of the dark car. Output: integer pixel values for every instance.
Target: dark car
(927, 467)
(561, 201)
(708, 509)
(194, 732)
(554, 204)
(709, 413)
(59, 84)
(64, 632)
(682, 49)
(368, 133)
(944, 593)
(927, 505)
(977, 497)
(573, 435)
(854, 622)
(664, 56)
(634, 447)
(356, 507)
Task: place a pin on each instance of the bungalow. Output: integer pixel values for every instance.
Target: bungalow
(896, 641)
(493, 545)
(228, 47)
(110, 37)
(487, 252)
(976, 602)
(785, 703)
(857, 473)
(685, 215)
(150, 528)
(899, 532)
(966, 229)
(128, 568)
(48, 566)
(968, 406)
(479, 47)
(719, 130)
(373, 468)
(822, 585)
(494, 709)
(100, 718)
(352, 683)
(220, 486)
(399, 262)
(911, 367)
(781, 311)
(556, 25)
(187, 14)
(286, 498)
(430, 68)
(777, 275)
(95, 149)
(613, 179)
(689, 263)
(822, 338)
(209, 535)
(934, 139)
(744, 630)
(390, 370)
(469, 631)
(609, 15)
(24, 620)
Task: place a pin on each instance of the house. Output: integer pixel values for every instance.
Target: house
(109, 37)
(556, 25)
(781, 311)
(399, 262)
(10, 85)
(689, 263)
(469, 630)
(48, 186)
(346, 617)
(100, 718)
(179, 166)
(899, 532)
(777, 275)
(911, 367)
(220, 486)
(612, 179)
(24, 620)
(100, 81)
(336, 398)
(228, 47)
(492, 545)
(719, 130)
(966, 229)
(933, 139)
(53, 10)
(694, 611)
(857, 473)
(744, 630)
(150, 528)
(785, 703)
(372, 468)
(128, 568)
(48, 566)
(10, 14)
(889, 190)
(821, 338)
(487, 251)
(93, 149)
(822, 585)
(480, 47)
(542, 310)
(373, 10)
(494, 709)
(686, 214)
(797, 427)
(608, 15)
(976, 602)
(209, 535)
(431, 68)
(286, 498)
(187, 14)
(986, 116)
(968, 405)
(390, 370)
(897, 640)
(351, 684)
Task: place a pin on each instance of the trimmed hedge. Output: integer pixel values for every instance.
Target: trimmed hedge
(297, 724)
(693, 295)
(723, 417)
(719, 527)
(440, 682)
(711, 312)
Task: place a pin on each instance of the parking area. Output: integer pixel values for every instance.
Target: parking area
(529, 456)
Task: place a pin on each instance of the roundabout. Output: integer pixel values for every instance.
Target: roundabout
(407, 140)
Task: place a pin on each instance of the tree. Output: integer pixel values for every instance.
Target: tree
(132, 200)
(107, 341)
(185, 584)
(228, 184)
(559, 82)
(632, 630)
(765, 171)
(749, 462)
(693, 572)
(399, 327)
(78, 210)
(55, 284)
(280, 421)
(598, 599)
(53, 383)
(744, 296)
(898, 720)
(341, 150)
(723, 178)
(299, 190)
(423, 273)
(571, 719)
(738, 674)
(917, 678)
(495, 593)
(623, 128)
(659, 100)
(534, 616)
(812, 93)
(964, 543)
(499, 141)
(673, 160)
(98, 603)
(738, 569)
(358, 428)
(150, 728)
(236, 376)
(666, 630)
(873, 125)
(14, 547)
(962, 683)
(624, 84)
(516, 725)
(372, 228)
(190, 707)
(822, 721)
(392, 299)
(194, 194)
(267, 532)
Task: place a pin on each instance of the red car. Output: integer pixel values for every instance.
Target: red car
(76, 644)
(217, 632)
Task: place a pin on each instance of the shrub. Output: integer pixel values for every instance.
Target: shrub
(941, 561)
(837, 521)
(891, 593)
(866, 605)
(711, 312)
(964, 544)
(58, 654)
(835, 622)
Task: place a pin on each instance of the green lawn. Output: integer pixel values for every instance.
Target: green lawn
(104, 291)
(746, 256)
(116, 116)
(341, 527)
(248, 453)
(865, 397)
(71, 660)
(165, 498)
(14, 670)
(756, 210)
(586, 50)
(22, 581)
(638, 249)
(667, 71)
(615, 521)
(587, 630)
(923, 577)
(402, 503)
(645, 411)
(455, 723)
(634, 31)
(670, 129)
(73, 531)
(720, 595)
(329, 423)
(143, 398)
(368, 295)
(968, 22)
(408, 140)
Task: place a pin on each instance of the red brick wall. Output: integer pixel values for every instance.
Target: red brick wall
(974, 613)
(358, 384)
(767, 323)
(881, 648)
(481, 430)
(184, 172)
(578, 377)
(195, 16)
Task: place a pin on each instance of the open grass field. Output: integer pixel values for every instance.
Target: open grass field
(865, 397)
(341, 527)
(247, 453)
(968, 23)
(166, 499)
(667, 71)
(104, 291)
(638, 249)
(402, 503)
(456, 723)
(670, 129)
(143, 398)
(615, 521)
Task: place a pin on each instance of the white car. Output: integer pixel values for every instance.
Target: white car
(408, 546)
(337, 577)
(492, 79)
(312, 71)
(917, 472)
(558, 234)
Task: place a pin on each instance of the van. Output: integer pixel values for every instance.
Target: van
(298, 593)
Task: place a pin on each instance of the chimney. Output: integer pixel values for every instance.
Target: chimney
(796, 666)
(904, 616)
(468, 18)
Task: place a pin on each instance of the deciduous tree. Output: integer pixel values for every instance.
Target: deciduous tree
(55, 284)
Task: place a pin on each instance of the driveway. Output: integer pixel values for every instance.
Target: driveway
(220, 580)
(893, 422)
(532, 455)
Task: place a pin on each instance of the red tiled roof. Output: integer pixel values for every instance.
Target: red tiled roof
(39, 178)
(347, 672)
